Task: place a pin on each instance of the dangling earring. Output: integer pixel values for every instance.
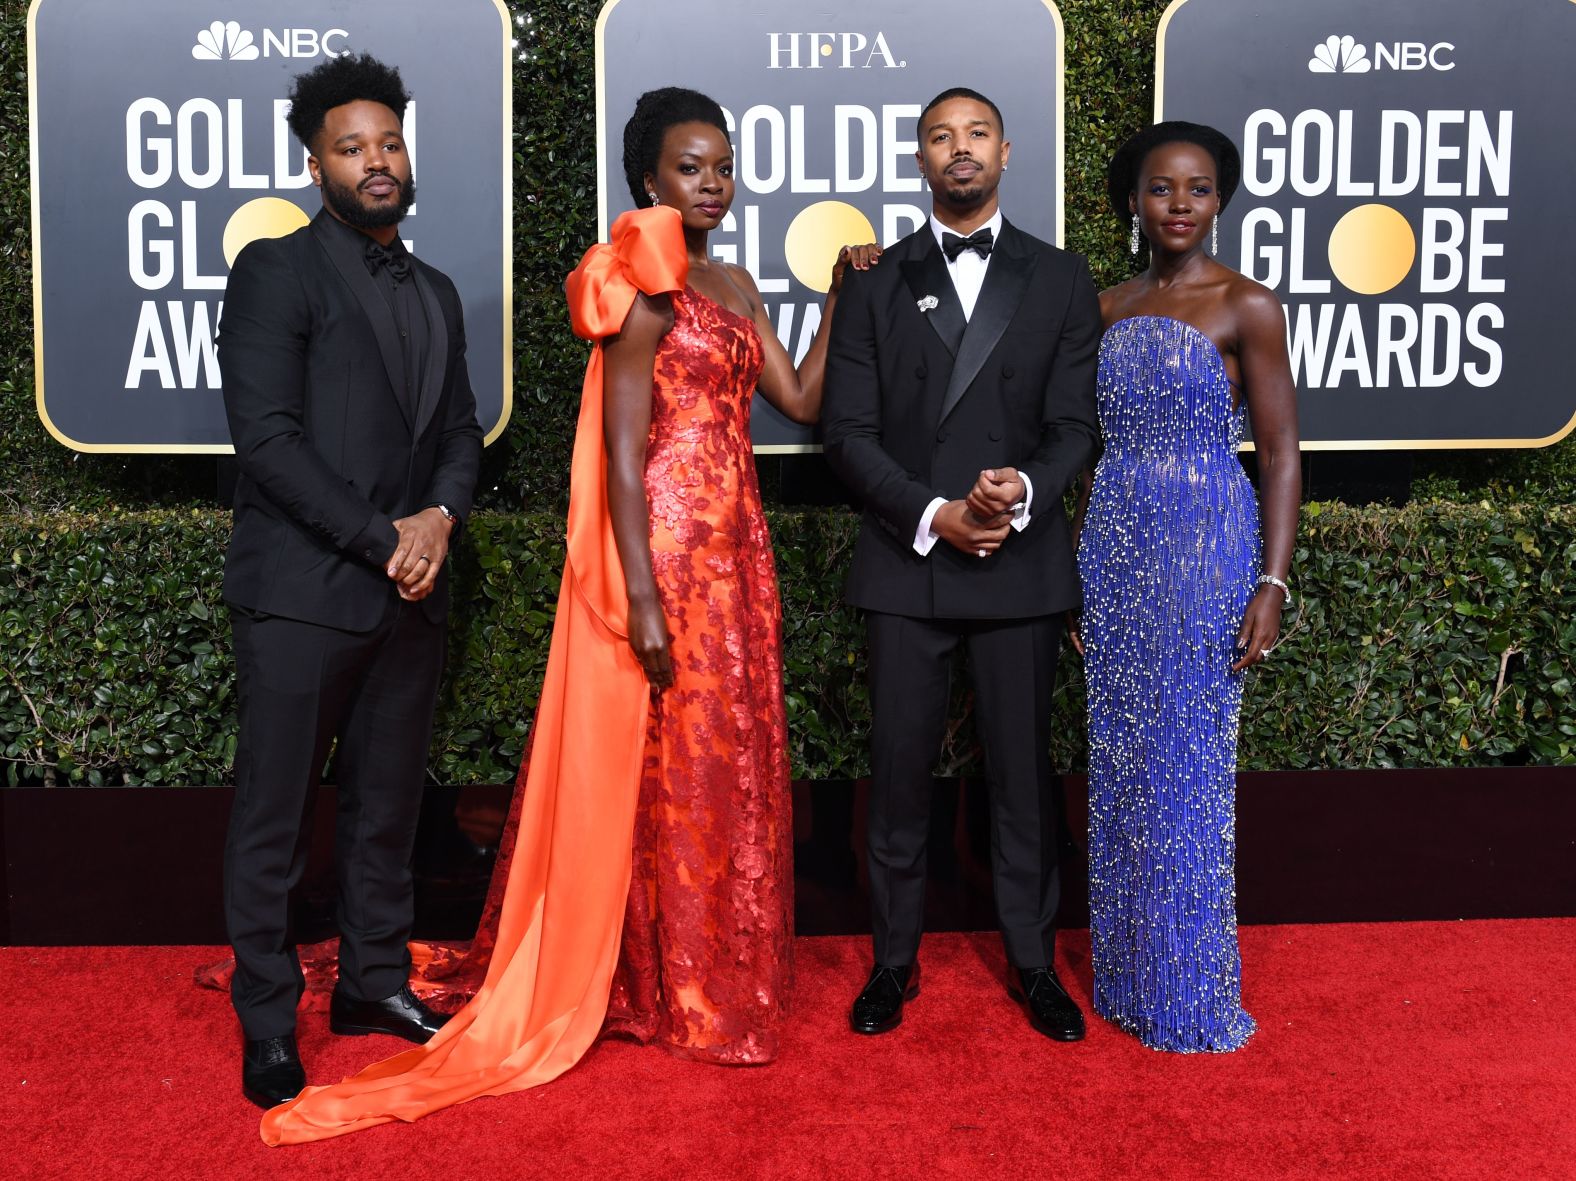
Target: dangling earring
(654, 200)
(1132, 239)
(1214, 235)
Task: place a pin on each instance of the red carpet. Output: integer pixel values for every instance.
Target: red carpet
(1385, 1051)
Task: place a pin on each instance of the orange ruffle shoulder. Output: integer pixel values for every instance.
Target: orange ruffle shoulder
(542, 1003)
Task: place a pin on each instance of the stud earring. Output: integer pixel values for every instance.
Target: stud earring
(1214, 235)
(1132, 239)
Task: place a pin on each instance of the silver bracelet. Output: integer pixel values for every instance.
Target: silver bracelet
(1271, 580)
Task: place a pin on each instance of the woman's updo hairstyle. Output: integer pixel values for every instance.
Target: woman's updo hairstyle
(1121, 177)
(655, 112)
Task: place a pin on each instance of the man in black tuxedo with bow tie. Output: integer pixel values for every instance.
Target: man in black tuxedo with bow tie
(959, 408)
(350, 407)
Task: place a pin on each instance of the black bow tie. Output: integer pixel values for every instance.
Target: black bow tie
(980, 241)
(397, 261)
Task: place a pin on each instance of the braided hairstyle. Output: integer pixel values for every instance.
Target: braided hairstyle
(655, 112)
(340, 80)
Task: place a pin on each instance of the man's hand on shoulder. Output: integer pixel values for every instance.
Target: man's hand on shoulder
(955, 524)
(422, 550)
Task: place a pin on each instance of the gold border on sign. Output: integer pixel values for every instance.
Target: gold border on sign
(601, 118)
(1061, 121)
(1060, 159)
(507, 120)
(1353, 444)
(506, 151)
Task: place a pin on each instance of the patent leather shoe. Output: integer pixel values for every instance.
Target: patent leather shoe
(1050, 1009)
(402, 1015)
(271, 1070)
(880, 1006)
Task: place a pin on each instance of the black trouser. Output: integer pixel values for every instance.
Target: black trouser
(1012, 665)
(300, 687)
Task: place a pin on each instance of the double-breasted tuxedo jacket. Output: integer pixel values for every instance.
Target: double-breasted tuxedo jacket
(918, 402)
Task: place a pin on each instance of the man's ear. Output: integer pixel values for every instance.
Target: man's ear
(316, 169)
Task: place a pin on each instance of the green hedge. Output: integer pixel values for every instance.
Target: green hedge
(1110, 93)
(1438, 635)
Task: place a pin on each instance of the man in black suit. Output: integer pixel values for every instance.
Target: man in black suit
(959, 409)
(351, 411)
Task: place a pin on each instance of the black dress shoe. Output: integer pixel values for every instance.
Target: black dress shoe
(1051, 1010)
(401, 1015)
(271, 1071)
(880, 1006)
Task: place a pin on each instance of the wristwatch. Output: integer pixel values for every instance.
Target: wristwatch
(449, 514)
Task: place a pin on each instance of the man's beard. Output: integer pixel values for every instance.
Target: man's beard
(970, 194)
(347, 205)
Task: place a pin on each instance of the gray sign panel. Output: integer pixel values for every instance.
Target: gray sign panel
(822, 102)
(160, 149)
(1399, 164)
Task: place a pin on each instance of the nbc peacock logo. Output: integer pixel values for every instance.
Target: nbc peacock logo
(1339, 55)
(225, 41)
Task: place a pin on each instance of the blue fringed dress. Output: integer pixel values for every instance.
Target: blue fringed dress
(1168, 557)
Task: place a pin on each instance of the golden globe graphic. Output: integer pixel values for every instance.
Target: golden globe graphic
(262, 217)
(1396, 170)
(815, 236)
(1372, 248)
(822, 106)
(183, 146)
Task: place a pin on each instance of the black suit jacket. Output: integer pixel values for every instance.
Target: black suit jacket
(917, 403)
(329, 453)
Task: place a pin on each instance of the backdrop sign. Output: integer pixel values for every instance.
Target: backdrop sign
(160, 149)
(1399, 165)
(822, 102)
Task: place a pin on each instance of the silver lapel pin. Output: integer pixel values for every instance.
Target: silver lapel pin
(927, 303)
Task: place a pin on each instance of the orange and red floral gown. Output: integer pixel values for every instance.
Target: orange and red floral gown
(705, 954)
(646, 877)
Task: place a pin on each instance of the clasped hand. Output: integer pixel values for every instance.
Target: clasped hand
(422, 550)
(978, 524)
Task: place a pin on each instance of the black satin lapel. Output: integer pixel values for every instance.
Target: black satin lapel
(927, 279)
(1002, 292)
(351, 267)
(431, 391)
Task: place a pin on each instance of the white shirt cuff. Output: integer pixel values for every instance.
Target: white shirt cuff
(924, 539)
(1020, 515)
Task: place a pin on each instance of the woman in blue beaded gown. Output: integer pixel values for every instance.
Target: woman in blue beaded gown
(1180, 597)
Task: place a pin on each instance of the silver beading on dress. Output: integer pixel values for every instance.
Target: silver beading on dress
(1168, 557)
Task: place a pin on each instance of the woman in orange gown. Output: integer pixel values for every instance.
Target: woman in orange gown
(650, 889)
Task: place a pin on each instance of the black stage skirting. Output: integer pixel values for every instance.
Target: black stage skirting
(141, 865)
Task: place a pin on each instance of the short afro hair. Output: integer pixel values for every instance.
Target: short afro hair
(959, 92)
(1121, 176)
(655, 112)
(340, 80)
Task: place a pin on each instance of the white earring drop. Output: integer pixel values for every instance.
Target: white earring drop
(654, 200)
(1214, 235)
(1132, 239)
